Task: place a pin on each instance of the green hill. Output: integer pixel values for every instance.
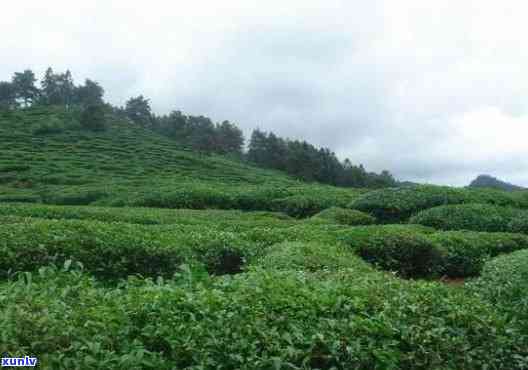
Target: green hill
(47, 157)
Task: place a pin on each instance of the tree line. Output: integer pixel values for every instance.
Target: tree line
(297, 158)
(305, 161)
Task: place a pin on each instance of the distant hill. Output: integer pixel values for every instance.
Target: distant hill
(406, 184)
(487, 181)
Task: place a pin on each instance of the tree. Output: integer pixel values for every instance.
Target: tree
(175, 126)
(57, 89)
(229, 138)
(257, 151)
(91, 93)
(277, 152)
(138, 110)
(7, 96)
(202, 134)
(24, 86)
(93, 118)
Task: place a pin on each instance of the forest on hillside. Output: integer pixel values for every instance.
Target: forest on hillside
(298, 158)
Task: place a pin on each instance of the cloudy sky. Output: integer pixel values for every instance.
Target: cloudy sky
(434, 91)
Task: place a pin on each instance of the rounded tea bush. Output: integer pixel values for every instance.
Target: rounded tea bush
(345, 216)
(310, 257)
(411, 255)
(503, 283)
(476, 217)
(466, 252)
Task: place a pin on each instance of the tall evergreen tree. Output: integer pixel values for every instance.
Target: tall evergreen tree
(57, 89)
(7, 96)
(257, 151)
(24, 87)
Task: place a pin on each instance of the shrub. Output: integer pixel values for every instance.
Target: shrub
(358, 235)
(108, 250)
(398, 204)
(260, 320)
(476, 217)
(519, 224)
(196, 198)
(310, 257)
(222, 252)
(299, 205)
(20, 198)
(15, 168)
(345, 216)
(466, 251)
(503, 283)
(75, 197)
(53, 126)
(411, 255)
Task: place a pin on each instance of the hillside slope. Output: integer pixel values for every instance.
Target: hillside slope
(46, 157)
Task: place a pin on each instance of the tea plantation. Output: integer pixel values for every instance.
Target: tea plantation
(119, 250)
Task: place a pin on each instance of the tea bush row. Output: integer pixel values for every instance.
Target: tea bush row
(398, 204)
(476, 217)
(466, 252)
(311, 257)
(344, 216)
(150, 216)
(256, 320)
(116, 250)
(419, 253)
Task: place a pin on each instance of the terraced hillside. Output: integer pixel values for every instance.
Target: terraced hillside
(47, 158)
(421, 277)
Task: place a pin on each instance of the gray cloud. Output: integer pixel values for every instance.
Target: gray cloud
(434, 92)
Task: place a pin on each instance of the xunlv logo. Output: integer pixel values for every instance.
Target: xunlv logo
(19, 361)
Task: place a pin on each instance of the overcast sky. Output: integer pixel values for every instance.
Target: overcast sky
(434, 91)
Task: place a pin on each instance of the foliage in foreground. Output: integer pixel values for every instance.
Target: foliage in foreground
(257, 320)
(503, 283)
(116, 250)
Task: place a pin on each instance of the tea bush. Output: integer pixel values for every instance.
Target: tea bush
(107, 250)
(411, 255)
(503, 283)
(258, 320)
(116, 250)
(300, 205)
(359, 235)
(345, 216)
(466, 252)
(225, 220)
(519, 224)
(310, 257)
(476, 217)
(398, 204)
